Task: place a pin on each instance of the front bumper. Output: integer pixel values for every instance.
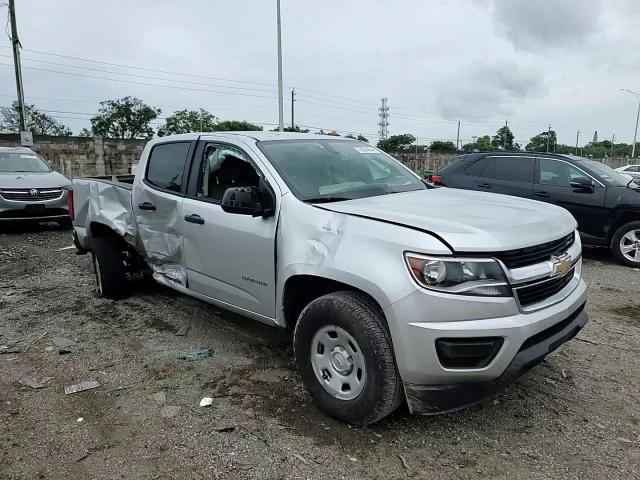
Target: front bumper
(435, 399)
(38, 210)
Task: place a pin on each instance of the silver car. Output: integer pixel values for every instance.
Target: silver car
(30, 189)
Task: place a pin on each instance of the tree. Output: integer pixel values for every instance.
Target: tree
(38, 123)
(503, 139)
(362, 138)
(396, 142)
(127, 117)
(442, 146)
(236, 125)
(185, 121)
(538, 143)
(295, 129)
(348, 135)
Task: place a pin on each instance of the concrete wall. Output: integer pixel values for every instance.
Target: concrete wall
(84, 156)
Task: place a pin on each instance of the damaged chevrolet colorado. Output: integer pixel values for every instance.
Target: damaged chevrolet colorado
(392, 290)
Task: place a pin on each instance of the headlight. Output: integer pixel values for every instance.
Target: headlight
(480, 277)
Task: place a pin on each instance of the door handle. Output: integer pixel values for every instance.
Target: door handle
(147, 206)
(485, 185)
(542, 194)
(193, 218)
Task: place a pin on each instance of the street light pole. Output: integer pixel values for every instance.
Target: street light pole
(280, 99)
(635, 134)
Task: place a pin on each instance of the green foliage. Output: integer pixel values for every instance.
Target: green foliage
(185, 121)
(127, 117)
(362, 138)
(236, 126)
(38, 123)
(442, 146)
(294, 129)
(396, 142)
(538, 143)
(483, 143)
(503, 139)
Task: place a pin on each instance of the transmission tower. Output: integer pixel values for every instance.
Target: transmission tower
(383, 124)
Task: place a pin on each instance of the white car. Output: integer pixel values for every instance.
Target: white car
(631, 170)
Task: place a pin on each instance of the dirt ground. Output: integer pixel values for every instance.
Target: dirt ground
(576, 415)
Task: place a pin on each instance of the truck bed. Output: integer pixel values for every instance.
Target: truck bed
(105, 200)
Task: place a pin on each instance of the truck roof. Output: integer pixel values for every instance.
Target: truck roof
(259, 136)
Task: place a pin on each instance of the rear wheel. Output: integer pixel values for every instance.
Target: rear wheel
(625, 244)
(109, 268)
(344, 354)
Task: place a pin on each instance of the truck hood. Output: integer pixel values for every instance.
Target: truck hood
(468, 221)
(32, 180)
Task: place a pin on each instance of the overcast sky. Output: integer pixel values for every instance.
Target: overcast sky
(531, 62)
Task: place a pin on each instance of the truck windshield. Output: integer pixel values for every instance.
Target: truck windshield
(605, 173)
(22, 162)
(335, 170)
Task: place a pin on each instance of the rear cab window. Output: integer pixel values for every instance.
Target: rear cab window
(166, 165)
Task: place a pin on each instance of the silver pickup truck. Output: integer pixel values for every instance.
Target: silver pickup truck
(392, 289)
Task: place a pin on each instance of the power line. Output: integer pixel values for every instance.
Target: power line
(142, 83)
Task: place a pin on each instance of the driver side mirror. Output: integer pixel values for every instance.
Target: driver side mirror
(248, 201)
(582, 183)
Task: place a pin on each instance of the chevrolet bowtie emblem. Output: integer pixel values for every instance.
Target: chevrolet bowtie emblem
(561, 265)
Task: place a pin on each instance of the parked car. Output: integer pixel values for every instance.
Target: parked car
(605, 204)
(30, 189)
(631, 170)
(391, 289)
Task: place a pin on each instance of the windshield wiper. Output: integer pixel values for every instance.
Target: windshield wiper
(325, 199)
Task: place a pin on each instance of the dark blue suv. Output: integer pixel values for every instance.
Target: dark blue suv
(605, 204)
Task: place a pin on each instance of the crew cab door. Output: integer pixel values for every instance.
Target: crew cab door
(586, 205)
(157, 203)
(509, 175)
(229, 257)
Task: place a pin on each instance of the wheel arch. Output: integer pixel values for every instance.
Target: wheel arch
(621, 218)
(301, 289)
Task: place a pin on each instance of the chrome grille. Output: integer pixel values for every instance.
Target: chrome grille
(529, 294)
(25, 195)
(538, 253)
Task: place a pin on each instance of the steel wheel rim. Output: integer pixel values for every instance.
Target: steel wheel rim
(338, 362)
(630, 245)
(96, 269)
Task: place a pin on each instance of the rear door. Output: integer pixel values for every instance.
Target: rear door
(509, 175)
(229, 257)
(157, 203)
(587, 206)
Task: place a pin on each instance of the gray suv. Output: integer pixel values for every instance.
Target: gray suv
(30, 189)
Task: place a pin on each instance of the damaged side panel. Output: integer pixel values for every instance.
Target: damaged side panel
(320, 242)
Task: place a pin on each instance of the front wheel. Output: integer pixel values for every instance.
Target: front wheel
(625, 244)
(345, 356)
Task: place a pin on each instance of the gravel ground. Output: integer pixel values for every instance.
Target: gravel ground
(576, 415)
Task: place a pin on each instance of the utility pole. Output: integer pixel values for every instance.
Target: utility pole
(474, 142)
(613, 138)
(15, 43)
(548, 138)
(506, 129)
(458, 136)
(280, 97)
(577, 136)
(635, 135)
(293, 99)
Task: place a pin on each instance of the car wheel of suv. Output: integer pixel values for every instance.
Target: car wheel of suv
(108, 266)
(625, 244)
(345, 356)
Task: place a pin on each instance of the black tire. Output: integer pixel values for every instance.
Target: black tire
(108, 266)
(361, 318)
(616, 248)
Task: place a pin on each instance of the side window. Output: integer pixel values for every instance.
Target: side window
(223, 167)
(560, 174)
(633, 169)
(166, 165)
(476, 168)
(514, 169)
